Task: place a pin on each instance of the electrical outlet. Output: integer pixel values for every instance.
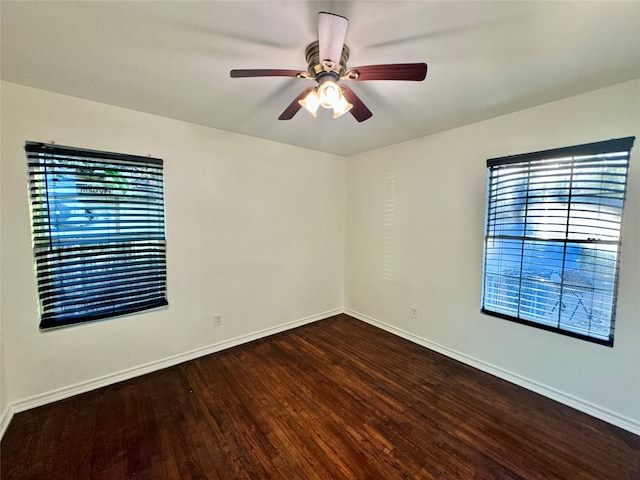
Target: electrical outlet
(413, 312)
(217, 320)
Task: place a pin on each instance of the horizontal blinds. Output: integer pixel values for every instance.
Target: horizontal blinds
(98, 233)
(553, 235)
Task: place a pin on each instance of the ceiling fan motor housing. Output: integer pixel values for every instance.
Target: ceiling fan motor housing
(317, 66)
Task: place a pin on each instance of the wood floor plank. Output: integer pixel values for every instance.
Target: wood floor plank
(336, 399)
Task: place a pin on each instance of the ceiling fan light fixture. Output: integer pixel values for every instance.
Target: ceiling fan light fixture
(311, 102)
(328, 95)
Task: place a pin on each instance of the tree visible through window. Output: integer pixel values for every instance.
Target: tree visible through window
(98, 233)
(552, 238)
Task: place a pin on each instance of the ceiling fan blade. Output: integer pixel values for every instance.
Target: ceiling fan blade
(294, 106)
(332, 30)
(359, 110)
(394, 71)
(268, 72)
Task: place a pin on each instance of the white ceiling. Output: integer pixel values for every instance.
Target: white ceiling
(173, 59)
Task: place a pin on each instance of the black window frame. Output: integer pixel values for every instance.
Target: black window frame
(500, 218)
(98, 226)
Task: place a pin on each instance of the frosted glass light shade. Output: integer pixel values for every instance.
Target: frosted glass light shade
(311, 102)
(341, 107)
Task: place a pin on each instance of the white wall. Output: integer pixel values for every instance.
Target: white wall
(255, 231)
(415, 216)
(4, 405)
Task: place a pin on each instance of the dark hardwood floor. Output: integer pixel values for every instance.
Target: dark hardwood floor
(337, 399)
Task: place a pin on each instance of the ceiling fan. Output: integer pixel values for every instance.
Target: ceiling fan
(327, 65)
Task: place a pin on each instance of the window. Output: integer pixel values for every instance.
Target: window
(98, 233)
(552, 238)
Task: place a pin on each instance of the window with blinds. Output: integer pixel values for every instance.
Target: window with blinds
(552, 238)
(98, 233)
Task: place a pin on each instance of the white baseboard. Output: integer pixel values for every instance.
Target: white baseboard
(82, 387)
(5, 419)
(559, 396)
